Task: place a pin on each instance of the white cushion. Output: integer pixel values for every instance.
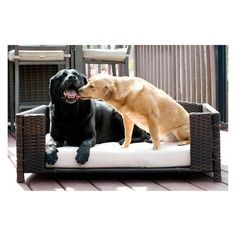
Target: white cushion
(37, 55)
(105, 54)
(136, 155)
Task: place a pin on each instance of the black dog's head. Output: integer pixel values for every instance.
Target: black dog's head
(65, 84)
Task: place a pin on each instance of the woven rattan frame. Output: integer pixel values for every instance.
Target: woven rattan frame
(32, 125)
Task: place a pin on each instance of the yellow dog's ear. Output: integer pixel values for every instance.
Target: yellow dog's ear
(108, 92)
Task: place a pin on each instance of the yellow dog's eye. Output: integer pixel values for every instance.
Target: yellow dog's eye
(91, 86)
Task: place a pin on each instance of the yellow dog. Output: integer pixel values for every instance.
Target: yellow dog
(140, 103)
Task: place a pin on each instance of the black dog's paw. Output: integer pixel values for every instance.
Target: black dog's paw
(148, 140)
(82, 154)
(51, 155)
(121, 141)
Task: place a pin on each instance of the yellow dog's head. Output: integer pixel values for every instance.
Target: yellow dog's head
(99, 86)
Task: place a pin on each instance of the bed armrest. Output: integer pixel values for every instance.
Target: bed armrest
(30, 141)
(205, 140)
(201, 138)
(215, 119)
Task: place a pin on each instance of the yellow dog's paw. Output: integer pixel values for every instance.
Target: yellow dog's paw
(156, 147)
(124, 145)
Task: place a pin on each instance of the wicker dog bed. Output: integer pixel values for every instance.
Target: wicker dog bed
(32, 126)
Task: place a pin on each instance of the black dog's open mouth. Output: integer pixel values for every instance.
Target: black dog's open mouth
(71, 94)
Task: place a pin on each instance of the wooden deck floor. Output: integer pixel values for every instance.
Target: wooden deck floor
(72, 182)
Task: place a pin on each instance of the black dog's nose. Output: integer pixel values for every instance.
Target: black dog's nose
(71, 77)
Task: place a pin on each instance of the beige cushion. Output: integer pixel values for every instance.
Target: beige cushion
(30, 55)
(118, 55)
(136, 155)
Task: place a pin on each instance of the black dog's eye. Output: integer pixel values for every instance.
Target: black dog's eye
(64, 74)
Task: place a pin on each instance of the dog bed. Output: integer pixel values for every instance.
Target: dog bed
(202, 155)
(111, 155)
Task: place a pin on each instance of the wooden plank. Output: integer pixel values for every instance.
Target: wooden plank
(183, 73)
(155, 66)
(225, 149)
(110, 185)
(224, 168)
(149, 63)
(224, 176)
(12, 149)
(192, 72)
(12, 155)
(208, 74)
(143, 185)
(161, 85)
(168, 58)
(10, 179)
(10, 167)
(141, 60)
(174, 184)
(165, 69)
(11, 141)
(206, 183)
(197, 74)
(137, 60)
(76, 185)
(200, 78)
(213, 75)
(188, 75)
(178, 73)
(204, 77)
(40, 182)
(173, 88)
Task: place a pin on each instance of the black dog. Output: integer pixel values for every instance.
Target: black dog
(81, 123)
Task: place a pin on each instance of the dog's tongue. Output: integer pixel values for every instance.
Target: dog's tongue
(70, 93)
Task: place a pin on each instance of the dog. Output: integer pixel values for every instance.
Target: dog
(141, 103)
(81, 123)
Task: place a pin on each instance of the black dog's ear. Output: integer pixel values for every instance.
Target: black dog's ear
(51, 86)
(54, 84)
